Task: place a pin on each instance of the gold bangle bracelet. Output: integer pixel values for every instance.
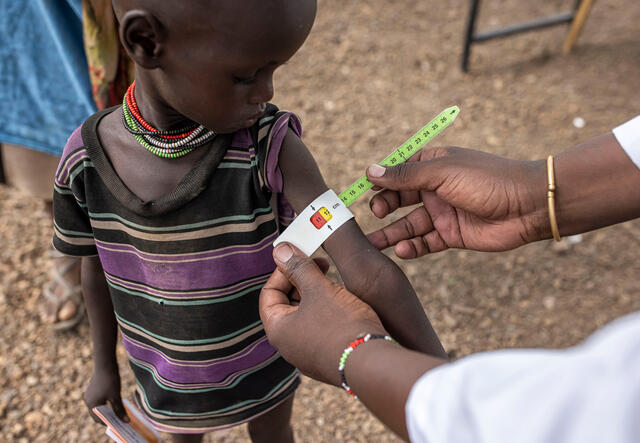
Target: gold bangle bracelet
(551, 199)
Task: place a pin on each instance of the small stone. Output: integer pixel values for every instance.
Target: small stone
(449, 320)
(492, 140)
(574, 239)
(549, 302)
(31, 380)
(22, 285)
(33, 419)
(17, 429)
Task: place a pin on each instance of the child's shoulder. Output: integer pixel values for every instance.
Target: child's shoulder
(76, 140)
(275, 123)
(267, 136)
(75, 150)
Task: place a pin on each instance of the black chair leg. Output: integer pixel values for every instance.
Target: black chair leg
(468, 40)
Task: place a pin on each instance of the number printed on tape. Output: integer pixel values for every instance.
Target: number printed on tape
(321, 217)
(403, 152)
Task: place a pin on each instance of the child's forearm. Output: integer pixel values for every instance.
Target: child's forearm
(104, 329)
(379, 282)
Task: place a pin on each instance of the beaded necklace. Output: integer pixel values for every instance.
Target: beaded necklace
(167, 144)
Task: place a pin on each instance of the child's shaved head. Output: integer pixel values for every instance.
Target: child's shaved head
(223, 16)
(212, 60)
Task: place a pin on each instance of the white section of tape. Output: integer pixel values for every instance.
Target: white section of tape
(316, 223)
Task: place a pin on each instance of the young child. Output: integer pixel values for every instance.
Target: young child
(174, 200)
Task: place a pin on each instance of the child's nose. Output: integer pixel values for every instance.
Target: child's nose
(263, 91)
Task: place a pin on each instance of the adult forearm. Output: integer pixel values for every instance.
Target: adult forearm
(104, 329)
(382, 374)
(597, 185)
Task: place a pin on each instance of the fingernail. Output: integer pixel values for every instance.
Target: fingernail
(376, 170)
(283, 253)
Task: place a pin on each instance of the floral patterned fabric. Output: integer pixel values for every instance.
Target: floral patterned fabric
(110, 69)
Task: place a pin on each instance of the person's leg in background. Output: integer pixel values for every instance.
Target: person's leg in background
(61, 61)
(61, 305)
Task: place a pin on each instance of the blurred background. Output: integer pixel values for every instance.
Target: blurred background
(369, 76)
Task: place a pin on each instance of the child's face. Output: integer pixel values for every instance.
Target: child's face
(219, 71)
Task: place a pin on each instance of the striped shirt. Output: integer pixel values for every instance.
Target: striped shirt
(185, 271)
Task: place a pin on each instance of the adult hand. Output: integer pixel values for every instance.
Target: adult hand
(470, 199)
(311, 335)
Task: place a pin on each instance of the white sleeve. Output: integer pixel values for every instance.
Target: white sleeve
(628, 135)
(588, 393)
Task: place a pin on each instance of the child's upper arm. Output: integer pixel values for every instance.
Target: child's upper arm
(73, 234)
(302, 183)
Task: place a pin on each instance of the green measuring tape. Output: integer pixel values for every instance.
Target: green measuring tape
(402, 154)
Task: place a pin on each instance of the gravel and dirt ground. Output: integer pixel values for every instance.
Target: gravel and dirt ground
(371, 74)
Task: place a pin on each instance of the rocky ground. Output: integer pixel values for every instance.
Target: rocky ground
(370, 75)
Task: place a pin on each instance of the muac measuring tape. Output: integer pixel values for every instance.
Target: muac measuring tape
(329, 211)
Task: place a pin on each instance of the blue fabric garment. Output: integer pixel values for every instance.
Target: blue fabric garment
(45, 92)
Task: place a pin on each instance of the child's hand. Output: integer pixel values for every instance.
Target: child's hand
(104, 387)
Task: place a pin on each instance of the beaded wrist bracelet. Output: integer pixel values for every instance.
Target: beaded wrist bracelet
(349, 349)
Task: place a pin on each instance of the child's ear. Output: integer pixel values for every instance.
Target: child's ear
(142, 35)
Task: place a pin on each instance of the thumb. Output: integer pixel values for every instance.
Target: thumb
(411, 176)
(299, 269)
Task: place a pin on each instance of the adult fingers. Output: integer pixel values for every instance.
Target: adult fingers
(274, 301)
(323, 264)
(421, 245)
(416, 176)
(415, 224)
(301, 271)
(386, 202)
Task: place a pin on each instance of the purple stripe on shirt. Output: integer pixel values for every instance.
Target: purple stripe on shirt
(236, 287)
(172, 258)
(278, 133)
(73, 142)
(191, 372)
(62, 177)
(207, 270)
